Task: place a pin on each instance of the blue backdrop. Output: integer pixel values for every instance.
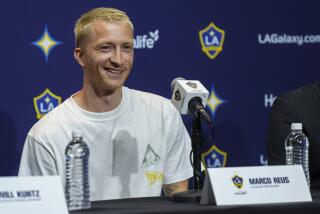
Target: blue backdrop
(245, 53)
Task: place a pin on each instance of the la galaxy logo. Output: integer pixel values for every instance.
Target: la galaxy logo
(192, 85)
(237, 181)
(177, 95)
(46, 43)
(214, 157)
(45, 102)
(211, 39)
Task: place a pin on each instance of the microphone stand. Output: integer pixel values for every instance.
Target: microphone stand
(193, 195)
(196, 139)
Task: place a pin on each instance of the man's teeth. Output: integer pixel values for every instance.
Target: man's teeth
(114, 71)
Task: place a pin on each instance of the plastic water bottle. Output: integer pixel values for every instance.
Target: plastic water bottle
(77, 178)
(297, 149)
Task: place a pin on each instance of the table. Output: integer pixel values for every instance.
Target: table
(156, 205)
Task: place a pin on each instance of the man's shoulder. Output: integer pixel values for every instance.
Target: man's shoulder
(148, 98)
(49, 122)
(303, 93)
(301, 100)
(151, 104)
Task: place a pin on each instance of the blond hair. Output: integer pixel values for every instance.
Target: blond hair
(101, 13)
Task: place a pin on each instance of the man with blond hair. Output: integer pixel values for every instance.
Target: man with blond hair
(137, 140)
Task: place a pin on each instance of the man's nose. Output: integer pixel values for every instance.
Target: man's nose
(117, 57)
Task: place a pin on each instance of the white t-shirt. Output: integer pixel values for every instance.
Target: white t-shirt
(134, 149)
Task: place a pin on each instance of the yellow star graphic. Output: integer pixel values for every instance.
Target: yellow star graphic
(46, 43)
(214, 101)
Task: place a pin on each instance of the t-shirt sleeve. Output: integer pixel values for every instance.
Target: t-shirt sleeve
(36, 159)
(177, 166)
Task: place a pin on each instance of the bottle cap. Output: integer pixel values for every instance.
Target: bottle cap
(296, 126)
(76, 134)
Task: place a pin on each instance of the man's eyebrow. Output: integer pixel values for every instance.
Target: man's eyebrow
(128, 43)
(102, 44)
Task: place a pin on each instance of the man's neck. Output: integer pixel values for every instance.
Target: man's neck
(96, 101)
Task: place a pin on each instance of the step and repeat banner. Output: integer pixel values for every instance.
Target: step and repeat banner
(244, 52)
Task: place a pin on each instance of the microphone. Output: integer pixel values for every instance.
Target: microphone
(190, 96)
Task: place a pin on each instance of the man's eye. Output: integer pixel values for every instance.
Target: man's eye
(105, 48)
(128, 47)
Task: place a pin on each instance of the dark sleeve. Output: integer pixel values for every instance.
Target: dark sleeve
(281, 117)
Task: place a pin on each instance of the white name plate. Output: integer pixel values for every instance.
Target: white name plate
(255, 185)
(36, 195)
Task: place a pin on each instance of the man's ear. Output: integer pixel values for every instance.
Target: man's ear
(78, 55)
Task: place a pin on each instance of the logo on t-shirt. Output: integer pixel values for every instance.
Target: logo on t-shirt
(150, 157)
(153, 177)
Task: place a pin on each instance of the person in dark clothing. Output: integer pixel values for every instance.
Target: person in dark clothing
(301, 105)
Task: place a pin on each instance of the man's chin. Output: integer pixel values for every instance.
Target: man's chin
(111, 87)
